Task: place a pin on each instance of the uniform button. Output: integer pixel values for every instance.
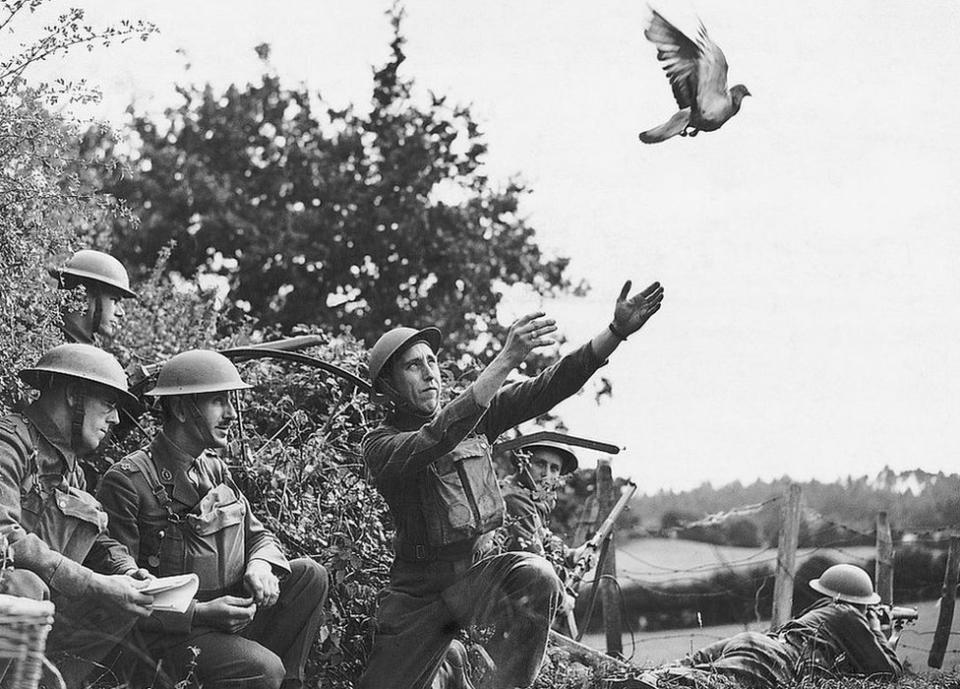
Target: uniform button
(153, 561)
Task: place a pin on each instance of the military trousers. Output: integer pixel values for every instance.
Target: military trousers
(88, 642)
(511, 598)
(270, 652)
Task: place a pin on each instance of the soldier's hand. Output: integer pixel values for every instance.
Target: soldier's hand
(526, 334)
(230, 614)
(140, 575)
(121, 592)
(631, 313)
(581, 552)
(261, 583)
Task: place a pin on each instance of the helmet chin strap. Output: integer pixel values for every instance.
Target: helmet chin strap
(97, 319)
(76, 421)
(199, 422)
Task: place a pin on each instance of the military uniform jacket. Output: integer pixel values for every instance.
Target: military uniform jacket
(53, 523)
(437, 475)
(140, 521)
(527, 516)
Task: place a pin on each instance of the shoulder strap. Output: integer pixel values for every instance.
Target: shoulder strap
(141, 460)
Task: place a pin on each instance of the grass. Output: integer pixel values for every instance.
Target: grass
(648, 649)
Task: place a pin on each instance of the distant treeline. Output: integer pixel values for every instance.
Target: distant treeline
(919, 505)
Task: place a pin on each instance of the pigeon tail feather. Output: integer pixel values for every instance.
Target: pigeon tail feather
(670, 128)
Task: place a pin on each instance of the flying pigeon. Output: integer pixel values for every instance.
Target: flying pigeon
(698, 76)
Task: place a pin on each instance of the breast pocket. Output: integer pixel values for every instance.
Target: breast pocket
(70, 522)
(462, 497)
(213, 542)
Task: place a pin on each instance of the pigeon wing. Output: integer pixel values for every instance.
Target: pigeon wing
(680, 57)
(711, 73)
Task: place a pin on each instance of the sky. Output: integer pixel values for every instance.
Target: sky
(808, 250)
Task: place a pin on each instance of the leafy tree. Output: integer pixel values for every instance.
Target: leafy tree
(353, 221)
(45, 205)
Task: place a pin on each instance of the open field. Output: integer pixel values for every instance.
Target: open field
(647, 649)
(658, 560)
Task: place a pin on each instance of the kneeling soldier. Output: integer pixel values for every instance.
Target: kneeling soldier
(432, 464)
(176, 507)
(57, 529)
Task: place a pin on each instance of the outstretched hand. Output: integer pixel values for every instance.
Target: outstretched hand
(526, 334)
(631, 313)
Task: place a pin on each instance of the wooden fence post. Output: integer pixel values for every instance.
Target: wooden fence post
(609, 595)
(948, 600)
(884, 570)
(786, 557)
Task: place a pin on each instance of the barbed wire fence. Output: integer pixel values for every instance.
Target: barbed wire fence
(767, 556)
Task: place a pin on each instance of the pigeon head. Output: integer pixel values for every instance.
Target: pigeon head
(738, 93)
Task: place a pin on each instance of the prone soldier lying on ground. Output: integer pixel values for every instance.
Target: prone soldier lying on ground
(57, 529)
(433, 466)
(838, 636)
(176, 507)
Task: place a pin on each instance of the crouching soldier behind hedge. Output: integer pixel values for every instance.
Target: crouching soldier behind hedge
(106, 283)
(529, 507)
(57, 529)
(176, 507)
(432, 464)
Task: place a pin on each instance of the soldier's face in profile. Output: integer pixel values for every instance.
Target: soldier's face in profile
(416, 377)
(111, 312)
(99, 416)
(545, 465)
(217, 413)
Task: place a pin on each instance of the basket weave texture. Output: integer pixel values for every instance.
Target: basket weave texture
(24, 625)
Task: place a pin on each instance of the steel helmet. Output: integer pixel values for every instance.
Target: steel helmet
(83, 362)
(95, 266)
(395, 340)
(847, 583)
(196, 372)
(568, 460)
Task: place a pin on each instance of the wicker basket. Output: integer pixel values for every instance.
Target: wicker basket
(24, 624)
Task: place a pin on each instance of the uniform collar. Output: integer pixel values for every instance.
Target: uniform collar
(406, 419)
(172, 464)
(51, 433)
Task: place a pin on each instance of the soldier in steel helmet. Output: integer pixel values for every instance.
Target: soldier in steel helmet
(529, 507)
(838, 636)
(106, 285)
(58, 529)
(432, 464)
(176, 507)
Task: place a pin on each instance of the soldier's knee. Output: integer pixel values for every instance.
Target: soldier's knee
(538, 572)
(26, 584)
(311, 575)
(272, 670)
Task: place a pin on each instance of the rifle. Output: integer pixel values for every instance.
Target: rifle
(893, 617)
(603, 533)
(597, 541)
